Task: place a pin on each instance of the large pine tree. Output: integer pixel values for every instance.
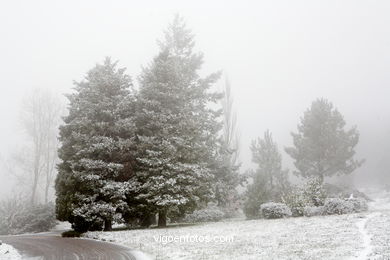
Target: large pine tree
(177, 128)
(96, 151)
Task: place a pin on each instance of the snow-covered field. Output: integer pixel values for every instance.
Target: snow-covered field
(7, 252)
(379, 229)
(354, 236)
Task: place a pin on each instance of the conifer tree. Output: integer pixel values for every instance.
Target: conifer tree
(176, 127)
(227, 176)
(270, 181)
(322, 145)
(96, 150)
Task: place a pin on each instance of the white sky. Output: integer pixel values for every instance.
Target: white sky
(279, 56)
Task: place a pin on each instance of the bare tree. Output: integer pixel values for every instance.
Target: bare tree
(41, 116)
(228, 177)
(231, 137)
(54, 111)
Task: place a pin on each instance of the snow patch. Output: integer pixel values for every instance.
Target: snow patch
(140, 255)
(321, 237)
(62, 226)
(367, 247)
(7, 252)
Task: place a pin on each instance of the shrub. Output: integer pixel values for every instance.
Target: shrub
(81, 225)
(310, 211)
(251, 208)
(297, 202)
(71, 233)
(359, 205)
(337, 206)
(209, 214)
(340, 191)
(17, 217)
(314, 192)
(273, 210)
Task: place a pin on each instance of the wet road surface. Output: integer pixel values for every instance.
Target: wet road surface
(51, 246)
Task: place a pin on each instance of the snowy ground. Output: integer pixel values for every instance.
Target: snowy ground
(378, 228)
(354, 236)
(7, 252)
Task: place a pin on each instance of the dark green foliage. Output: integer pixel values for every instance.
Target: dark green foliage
(71, 233)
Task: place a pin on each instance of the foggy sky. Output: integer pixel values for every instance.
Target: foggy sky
(278, 55)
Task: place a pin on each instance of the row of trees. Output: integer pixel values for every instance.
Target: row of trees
(165, 149)
(322, 147)
(130, 154)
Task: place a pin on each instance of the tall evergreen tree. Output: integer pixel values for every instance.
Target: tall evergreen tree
(177, 128)
(228, 177)
(96, 151)
(270, 181)
(322, 146)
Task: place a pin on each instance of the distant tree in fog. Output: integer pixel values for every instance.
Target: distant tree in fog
(41, 116)
(270, 181)
(231, 137)
(322, 145)
(227, 177)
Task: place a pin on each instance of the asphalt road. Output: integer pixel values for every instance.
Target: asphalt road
(51, 246)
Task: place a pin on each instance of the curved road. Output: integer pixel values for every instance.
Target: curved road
(51, 246)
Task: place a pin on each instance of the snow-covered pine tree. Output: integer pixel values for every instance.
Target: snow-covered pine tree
(270, 181)
(322, 146)
(177, 128)
(96, 149)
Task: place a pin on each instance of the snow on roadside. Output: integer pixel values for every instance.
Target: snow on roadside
(140, 255)
(62, 226)
(7, 252)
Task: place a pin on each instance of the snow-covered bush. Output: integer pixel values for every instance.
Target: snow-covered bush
(342, 191)
(338, 206)
(209, 214)
(310, 211)
(296, 202)
(272, 210)
(314, 192)
(359, 205)
(17, 217)
(311, 194)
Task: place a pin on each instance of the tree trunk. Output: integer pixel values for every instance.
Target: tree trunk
(107, 225)
(47, 184)
(162, 218)
(148, 220)
(47, 193)
(321, 179)
(35, 180)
